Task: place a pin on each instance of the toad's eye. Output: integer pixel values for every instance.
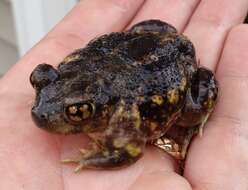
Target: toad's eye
(79, 112)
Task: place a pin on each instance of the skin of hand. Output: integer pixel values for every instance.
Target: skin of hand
(29, 157)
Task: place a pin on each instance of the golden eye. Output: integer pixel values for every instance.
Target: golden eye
(81, 111)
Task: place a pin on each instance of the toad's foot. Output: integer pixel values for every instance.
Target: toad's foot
(84, 153)
(201, 126)
(200, 100)
(105, 159)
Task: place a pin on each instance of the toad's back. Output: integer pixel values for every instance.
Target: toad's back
(129, 65)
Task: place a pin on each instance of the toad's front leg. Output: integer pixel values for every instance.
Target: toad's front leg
(121, 144)
(109, 158)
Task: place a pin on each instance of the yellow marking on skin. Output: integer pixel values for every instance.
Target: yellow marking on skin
(128, 114)
(137, 123)
(204, 120)
(106, 153)
(168, 36)
(157, 99)
(183, 84)
(133, 150)
(185, 38)
(209, 103)
(118, 114)
(136, 116)
(153, 125)
(119, 142)
(71, 58)
(173, 96)
(121, 107)
(87, 128)
(140, 98)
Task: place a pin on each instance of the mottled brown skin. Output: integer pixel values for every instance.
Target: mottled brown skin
(125, 90)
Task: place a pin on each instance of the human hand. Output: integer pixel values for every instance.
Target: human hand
(29, 157)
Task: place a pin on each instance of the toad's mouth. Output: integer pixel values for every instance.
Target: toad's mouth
(59, 128)
(55, 125)
(64, 129)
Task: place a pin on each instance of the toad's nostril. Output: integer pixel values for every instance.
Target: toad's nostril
(39, 117)
(43, 116)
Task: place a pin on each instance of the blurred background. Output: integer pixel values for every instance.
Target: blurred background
(24, 22)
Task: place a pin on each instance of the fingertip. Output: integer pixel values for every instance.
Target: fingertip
(238, 36)
(209, 26)
(155, 159)
(233, 60)
(160, 180)
(91, 18)
(240, 28)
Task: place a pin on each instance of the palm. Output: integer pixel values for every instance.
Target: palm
(29, 157)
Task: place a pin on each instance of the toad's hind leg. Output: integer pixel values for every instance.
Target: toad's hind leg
(121, 144)
(200, 100)
(153, 26)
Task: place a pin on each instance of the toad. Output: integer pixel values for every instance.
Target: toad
(125, 90)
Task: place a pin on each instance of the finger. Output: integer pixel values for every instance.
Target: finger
(209, 25)
(154, 164)
(219, 160)
(160, 181)
(89, 18)
(176, 12)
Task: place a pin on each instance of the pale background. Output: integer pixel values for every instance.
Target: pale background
(24, 22)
